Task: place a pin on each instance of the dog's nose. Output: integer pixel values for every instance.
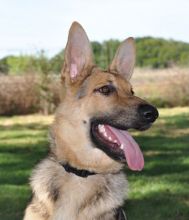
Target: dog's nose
(148, 113)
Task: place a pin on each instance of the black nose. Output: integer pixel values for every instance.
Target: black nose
(148, 113)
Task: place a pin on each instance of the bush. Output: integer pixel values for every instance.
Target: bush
(23, 95)
(164, 88)
(153, 53)
(40, 93)
(18, 95)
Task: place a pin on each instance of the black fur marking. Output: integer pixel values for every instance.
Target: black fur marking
(120, 214)
(94, 199)
(53, 189)
(54, 194)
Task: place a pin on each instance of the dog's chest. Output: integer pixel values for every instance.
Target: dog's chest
(89, 198)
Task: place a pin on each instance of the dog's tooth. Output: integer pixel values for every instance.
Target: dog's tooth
(100, 128)
(121, 146)
(109, 138)
(115, 141)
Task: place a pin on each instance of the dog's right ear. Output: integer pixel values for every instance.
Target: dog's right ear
(78, 54)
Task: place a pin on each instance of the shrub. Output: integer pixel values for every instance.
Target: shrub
(24, 95)
(18, 95)
(164, 88)
(40, 93)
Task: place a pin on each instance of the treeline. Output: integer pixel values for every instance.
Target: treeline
(151, 52)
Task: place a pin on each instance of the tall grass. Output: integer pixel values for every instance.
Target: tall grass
(28, 94)
(164, 88)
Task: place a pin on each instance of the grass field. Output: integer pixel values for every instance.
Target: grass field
(159, 192)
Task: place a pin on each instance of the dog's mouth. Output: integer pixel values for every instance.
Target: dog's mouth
(118, 144)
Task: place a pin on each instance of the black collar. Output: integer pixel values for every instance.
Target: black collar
(81, 173)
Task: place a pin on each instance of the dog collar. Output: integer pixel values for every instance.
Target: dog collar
(81, 173)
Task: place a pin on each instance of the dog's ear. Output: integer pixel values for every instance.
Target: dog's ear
(124, 59)
(78, 53)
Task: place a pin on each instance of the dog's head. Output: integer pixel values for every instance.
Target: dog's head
(90, 128)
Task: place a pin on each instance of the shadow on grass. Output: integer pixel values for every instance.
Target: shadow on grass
(27, 148)
(164, 154)
(164, 158)
(14, 174)
(17, 126)
(26, 156)
(158, 205)
(13, 201)
(177, 121)
(162, 142)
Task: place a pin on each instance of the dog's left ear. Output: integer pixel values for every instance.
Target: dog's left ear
(124, 59)
(78, 53)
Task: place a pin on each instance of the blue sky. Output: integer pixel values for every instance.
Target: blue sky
(29, 26)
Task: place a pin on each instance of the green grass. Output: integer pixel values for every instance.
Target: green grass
(159, 192)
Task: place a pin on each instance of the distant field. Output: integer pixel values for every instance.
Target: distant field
(22, 94)
(159, 192)
(163, 87)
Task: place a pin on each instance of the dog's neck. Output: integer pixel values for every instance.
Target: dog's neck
(80, 173)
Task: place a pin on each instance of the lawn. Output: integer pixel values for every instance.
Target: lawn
(159, 192)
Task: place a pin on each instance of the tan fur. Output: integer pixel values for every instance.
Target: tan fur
(79, 198)
(58, 195)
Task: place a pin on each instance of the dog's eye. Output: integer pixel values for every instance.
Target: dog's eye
(106, 90)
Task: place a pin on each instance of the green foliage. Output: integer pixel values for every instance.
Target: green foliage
(42, 64)
(97, 49)
(4, 67)
(17, 65)
(104, 53)
(151, 52)
(45, 83)
(56, 62)
(21, 64)
(160, 53)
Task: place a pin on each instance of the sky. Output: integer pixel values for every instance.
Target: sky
(29, 26)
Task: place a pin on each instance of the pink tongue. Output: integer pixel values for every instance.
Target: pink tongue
(133, 154)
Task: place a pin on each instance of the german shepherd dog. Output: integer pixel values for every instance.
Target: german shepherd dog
(82, 177)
